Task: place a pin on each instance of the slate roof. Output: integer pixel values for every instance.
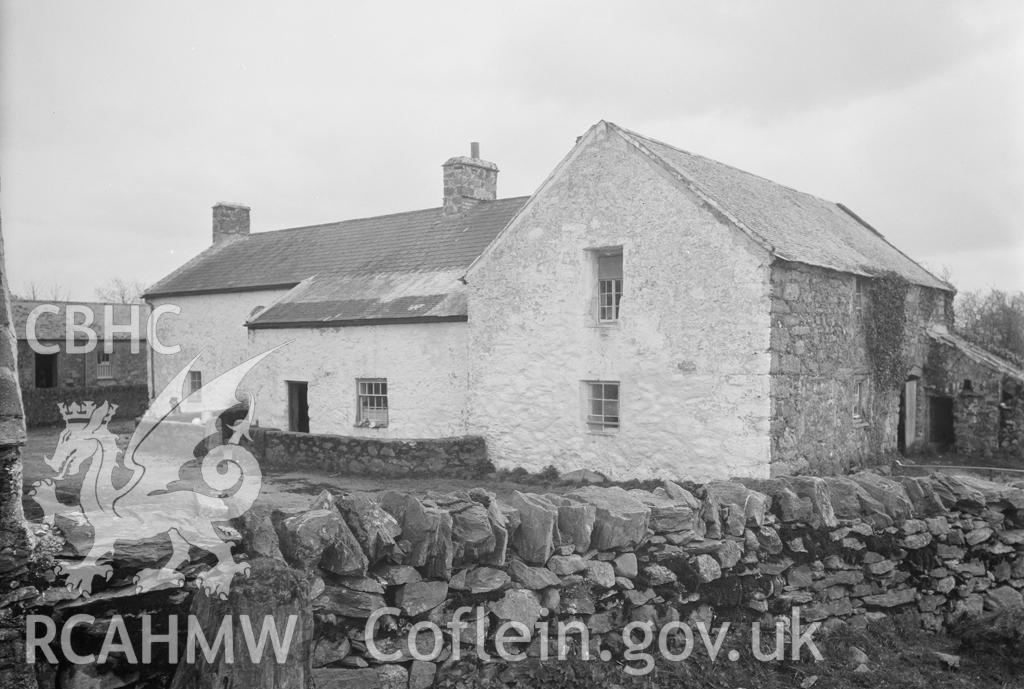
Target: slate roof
(51, 326)
(793, 225)
(977, 354)
(406, 266)
(424, 240)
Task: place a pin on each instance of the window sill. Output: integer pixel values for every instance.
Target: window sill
(610, 325)
(609, 431)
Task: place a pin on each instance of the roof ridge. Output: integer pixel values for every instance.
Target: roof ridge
(374, 217)
(719, 162)
(711, 195)
(708, 198)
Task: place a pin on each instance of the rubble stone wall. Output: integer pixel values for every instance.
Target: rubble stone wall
(844, 550)
(80, 370)
(464, 457)
(820, 360)
(690, 348)
(988, 408)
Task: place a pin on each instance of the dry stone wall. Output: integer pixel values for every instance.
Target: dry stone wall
(844, 550)
(463, 457)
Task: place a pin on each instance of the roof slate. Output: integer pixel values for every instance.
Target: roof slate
(416, 241)
(406, 266)
(794, 225)
(977, 354)
(52, 326)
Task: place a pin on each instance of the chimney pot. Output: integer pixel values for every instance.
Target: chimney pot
(474, 150)
(230, 220)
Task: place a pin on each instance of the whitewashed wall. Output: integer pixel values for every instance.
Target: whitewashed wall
(691, 350)
(424, 365)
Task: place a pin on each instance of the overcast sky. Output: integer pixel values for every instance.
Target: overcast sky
(121, 123)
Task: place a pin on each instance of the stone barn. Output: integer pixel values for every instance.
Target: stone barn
(646, 312)
(51, 372)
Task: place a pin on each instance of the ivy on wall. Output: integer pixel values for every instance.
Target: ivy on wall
(885, 325)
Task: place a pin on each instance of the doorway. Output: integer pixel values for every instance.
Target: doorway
(940, 422)
(906, 432)
(46, 370)
(298, 406)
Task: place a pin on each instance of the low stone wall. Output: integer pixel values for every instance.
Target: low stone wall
(463, 457)
(41, 403)
(842, 550)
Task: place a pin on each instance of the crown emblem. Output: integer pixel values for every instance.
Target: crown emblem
(88, 413)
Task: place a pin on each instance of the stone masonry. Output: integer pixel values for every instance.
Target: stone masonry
(842, 550)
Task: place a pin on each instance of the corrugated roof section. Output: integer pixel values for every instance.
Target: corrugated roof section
(345, 299)
(794, 225)
(416, 241)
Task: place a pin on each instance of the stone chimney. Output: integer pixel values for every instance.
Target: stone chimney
(230, 220)
(468, 181)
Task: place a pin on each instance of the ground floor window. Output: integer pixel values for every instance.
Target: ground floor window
(195, 384)
(103, 366)
(372, 402)
(602, 405)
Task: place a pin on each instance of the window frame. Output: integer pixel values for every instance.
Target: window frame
(104, 364)
(861, 400)
(609, 285)
(195, 392)
(860, 293)
(371, 393)
(602, 423)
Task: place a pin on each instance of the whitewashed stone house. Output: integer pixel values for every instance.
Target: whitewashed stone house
(645, 312)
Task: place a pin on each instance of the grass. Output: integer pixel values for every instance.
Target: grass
(899, 657)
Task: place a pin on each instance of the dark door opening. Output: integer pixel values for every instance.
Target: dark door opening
(940, 417)
(901, 427)
(298, 406)
(46, 370)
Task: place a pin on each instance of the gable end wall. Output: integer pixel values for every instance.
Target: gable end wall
(690, 350)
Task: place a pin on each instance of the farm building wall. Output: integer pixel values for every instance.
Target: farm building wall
(830, 413)
(423, 364)
(689, 350)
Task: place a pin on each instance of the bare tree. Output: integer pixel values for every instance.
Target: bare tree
(36, 291)
(993, 319)
(121, 291)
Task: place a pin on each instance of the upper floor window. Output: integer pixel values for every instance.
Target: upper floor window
(860, 292)
(602, 405)
(609, 284)
(860, 400)
(372, 402)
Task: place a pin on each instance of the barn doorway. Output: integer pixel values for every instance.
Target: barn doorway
(46, 370)
(298, 406)
(940, 422)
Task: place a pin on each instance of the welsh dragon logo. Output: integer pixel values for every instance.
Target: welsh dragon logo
(164, 482)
